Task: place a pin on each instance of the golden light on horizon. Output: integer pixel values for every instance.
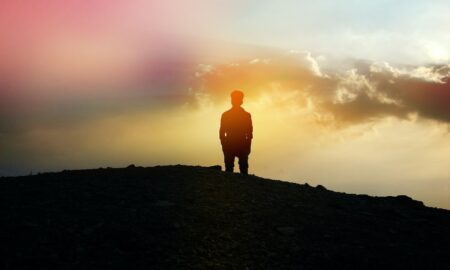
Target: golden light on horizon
(378, 158)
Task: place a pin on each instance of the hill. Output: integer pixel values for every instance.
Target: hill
(178, 217)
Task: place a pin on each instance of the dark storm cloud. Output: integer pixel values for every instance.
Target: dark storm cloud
(430, 99)
(363, 108)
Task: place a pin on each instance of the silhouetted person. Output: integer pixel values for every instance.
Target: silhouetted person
(236, 133)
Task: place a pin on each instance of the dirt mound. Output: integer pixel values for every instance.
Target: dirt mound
(178, 217)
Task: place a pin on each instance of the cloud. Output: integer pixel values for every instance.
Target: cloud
(335, 93)
(346, 94)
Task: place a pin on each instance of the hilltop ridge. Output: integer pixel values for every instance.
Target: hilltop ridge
(177, 217)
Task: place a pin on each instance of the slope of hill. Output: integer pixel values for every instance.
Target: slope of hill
(178, 217)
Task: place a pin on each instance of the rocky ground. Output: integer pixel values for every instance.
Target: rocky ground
(182, 217)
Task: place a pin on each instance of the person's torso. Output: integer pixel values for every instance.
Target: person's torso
(236, 124)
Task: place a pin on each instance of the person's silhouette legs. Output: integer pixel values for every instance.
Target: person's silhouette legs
(243, 163)
(229, 162)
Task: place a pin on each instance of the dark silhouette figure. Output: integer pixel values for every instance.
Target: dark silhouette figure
(236, 133)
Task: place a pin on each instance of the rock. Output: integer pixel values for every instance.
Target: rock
(164, 203)
(216, 167)
(131, 166)
(408, 201)
(88, 230)
(286, 230)
(320, 187)
(31, 224)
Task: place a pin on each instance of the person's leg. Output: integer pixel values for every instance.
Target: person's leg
(243, 163)
(229, 161)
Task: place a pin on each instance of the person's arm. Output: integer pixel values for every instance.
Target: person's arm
(249, 134)
(250, 128)
(222, 130)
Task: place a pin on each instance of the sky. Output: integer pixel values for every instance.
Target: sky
(353, 95)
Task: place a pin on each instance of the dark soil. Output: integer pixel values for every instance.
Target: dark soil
(181, 217)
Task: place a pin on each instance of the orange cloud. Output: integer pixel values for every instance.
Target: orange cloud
(356, 93)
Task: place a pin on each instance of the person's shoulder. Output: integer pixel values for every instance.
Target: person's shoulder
(235, 111)
(227, 112)
(246, 113)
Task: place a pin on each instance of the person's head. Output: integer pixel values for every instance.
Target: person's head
(237, 98)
